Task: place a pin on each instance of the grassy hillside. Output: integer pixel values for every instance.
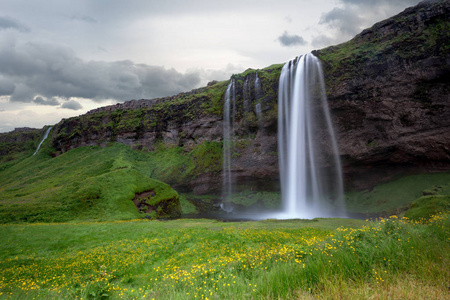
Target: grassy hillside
(396, 196)
(18, 144)
(87, 183)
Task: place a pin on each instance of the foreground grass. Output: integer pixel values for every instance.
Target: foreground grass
(205, 259)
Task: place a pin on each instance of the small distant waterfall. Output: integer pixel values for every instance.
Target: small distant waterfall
(229, 113)
(246, 95)
(258, 88)
(259, 117)
(258, 110)
(43, 139)
(310, 168)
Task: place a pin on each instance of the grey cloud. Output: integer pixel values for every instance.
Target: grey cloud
(322, 41)
(8, 23)
(355, 15)
(42, 101)
(49, 71)
(346, 20)
(289, 40)
(208, 75)
(72, 104)
(6, 86)
(84, 18)
(101, 49)
(22, 93)
(381, 2)
(135, 8)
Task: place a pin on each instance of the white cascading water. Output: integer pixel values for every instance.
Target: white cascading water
(229, 113)
(259, 117)
(258, 109)
(310, 168)
(258, 88)
(43, 139)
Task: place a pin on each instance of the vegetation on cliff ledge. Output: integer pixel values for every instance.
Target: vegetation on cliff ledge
(132, 120)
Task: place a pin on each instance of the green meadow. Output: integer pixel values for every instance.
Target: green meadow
(207, 259)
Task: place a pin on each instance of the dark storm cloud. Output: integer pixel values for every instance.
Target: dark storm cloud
(8, 23)
(72, 104)
(6, 86)
(290, 40)
(49, 71)
(42, 101)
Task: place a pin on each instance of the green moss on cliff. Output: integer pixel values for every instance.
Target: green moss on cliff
(214, 94)
(130, 120)
(207, 157)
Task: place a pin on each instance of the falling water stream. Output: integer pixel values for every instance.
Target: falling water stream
(258, 88)
(229, 113)
(310, 168)
(309, 163)
(43, 139)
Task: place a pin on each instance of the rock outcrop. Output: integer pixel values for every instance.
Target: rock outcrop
(388, 91)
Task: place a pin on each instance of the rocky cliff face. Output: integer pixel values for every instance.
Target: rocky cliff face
(388, 91)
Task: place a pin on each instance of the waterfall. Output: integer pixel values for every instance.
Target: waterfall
(258, 110)
(258, 88)
(259, 117)
(310, 168)
(229, 113)
(43, 139)
(246, 95)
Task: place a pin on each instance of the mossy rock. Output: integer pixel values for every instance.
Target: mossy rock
(161, 201)
(427, 206)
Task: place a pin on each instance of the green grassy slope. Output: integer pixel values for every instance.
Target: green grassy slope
(87, 183)
(397, 195)
(18, 144)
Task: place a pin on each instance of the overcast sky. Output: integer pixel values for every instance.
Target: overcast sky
(61, 58)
